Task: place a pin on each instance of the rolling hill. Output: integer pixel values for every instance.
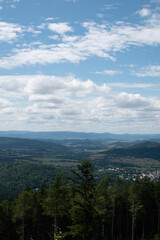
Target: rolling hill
(144, 149)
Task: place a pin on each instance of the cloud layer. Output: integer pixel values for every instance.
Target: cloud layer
(99, 40)
(71, 101)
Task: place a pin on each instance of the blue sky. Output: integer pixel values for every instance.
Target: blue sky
(80, 65)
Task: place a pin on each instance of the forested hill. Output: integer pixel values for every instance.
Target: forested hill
(145, 149)
(19, 143)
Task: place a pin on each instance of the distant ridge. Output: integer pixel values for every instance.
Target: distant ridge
(76, 135)
(20, 143)
(145, 149)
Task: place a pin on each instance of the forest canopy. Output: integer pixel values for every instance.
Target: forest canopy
(78, 207)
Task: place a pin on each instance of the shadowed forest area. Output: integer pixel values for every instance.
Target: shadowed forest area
(77, 207)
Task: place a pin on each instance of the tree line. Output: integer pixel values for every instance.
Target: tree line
(80, 208)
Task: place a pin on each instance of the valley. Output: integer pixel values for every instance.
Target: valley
(32, 162)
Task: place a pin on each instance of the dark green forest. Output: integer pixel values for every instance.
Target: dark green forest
(80, 208)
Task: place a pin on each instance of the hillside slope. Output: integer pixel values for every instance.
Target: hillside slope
(141, 150)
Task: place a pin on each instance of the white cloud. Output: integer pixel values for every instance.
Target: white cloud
(60, 28)
(9, 110)
(32, 30)
(42, 26)
(99, 40)
(44, 85)
(49, 19)
(133, 85)
(150, 71)
(59, 102)
(54, 37)
(4, 102)
(109, 72)
(1, 7)
(9, 31)
(31, 56)
(144, 12)
(125, 100)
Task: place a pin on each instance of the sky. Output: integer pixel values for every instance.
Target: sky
(80, 65)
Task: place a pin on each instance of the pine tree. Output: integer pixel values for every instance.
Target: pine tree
(103, 206)
(22, 210)
(56, 203)
(82, 212)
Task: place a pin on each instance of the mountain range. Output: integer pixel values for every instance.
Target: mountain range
(77, 135)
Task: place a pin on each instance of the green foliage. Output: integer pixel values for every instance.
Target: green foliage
(157, 237)
(82, 209)
(57, 198)
(141, 150)
(59, 235)
(15, 176)
(23, 204)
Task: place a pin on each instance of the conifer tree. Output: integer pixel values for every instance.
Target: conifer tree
(103, 205)
(82, 212)
(56, 203)
(23, 208)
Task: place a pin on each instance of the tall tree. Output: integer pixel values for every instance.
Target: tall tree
(23, 207)
(56, 203)
(135, 205)
(157, 197)
(7, 230)
(82, 212)
(103, 206)
(119, 207)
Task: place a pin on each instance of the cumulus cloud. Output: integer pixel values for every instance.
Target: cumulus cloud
(125, 100)
(69, 100)
(60, 28)
(44, 85)
(144, 12)
(9, 31)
